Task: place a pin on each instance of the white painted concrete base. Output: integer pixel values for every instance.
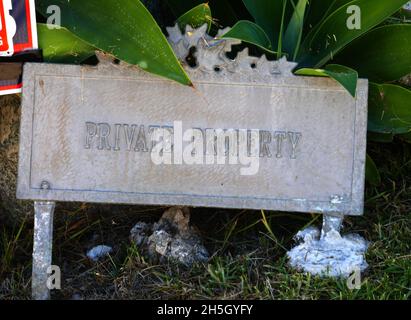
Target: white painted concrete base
(332, 255)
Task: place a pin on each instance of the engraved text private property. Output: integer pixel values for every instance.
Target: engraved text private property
(144, 138)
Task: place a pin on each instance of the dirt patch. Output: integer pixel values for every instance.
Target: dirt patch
(11, 209)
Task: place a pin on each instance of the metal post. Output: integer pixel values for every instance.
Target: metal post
(331, 222)
(42, 248)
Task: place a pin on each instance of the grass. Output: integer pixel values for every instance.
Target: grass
(248, 250)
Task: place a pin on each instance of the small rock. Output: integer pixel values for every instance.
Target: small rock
(159, 242)
(178, 218)
(98, 252)
(171, 237)
(140, 232)
(188, 253)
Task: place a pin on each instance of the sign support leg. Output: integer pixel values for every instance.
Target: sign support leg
(42, 248)
(331, 222)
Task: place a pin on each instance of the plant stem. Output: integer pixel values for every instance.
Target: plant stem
(280, 38)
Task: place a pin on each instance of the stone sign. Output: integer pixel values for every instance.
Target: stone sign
(89, 134)
(248, 134)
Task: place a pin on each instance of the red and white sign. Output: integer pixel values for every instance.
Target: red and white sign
(7, 29)
(18, 32)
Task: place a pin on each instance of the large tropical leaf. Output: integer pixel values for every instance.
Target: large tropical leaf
(335, 5)
(389, 109)
(179, 7)
(347, 77)
(371, 172)
(123, 28)
(196, 17)
(294, 32)
(316, 13)
(226, 12)
(268, 15)
(62, 46)
(332, 34)
(319, 10)
(382, 55)
(249, 32)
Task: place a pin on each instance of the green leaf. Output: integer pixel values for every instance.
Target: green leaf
(281, 33)
(293, 34)
(319, 10)
(347, 77)
(335, 5)
(223, 10)
(389, 109)
(179, 7)
(405, 137)
(123, 28)
(196, 17)
(267, 14)
(380, 137)
(249, 32)
(316, 12)
(371, 172)
(332, 34)
(62, 46)
(382, 55)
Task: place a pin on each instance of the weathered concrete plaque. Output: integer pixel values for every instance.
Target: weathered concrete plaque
(93, 134)
(248, 134)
